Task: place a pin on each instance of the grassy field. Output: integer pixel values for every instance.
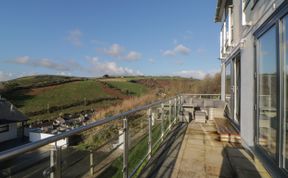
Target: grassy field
(39, 80)
(45, 97)
(61, 95)
(128, 88)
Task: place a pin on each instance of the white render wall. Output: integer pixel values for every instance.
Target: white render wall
(247, 92)
(243, 38)
(36, 136)
(11, 134)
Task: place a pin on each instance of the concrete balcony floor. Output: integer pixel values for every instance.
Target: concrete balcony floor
(193, 150)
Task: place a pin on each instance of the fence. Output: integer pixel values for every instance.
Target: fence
(115, 146)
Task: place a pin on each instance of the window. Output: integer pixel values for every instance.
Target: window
(228, 87)
(267, 91)
(284, 41)
(272, 87)
(247, 2)
(4, 128)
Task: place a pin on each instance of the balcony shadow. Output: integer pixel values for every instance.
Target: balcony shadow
(163, 161)
(237, 163)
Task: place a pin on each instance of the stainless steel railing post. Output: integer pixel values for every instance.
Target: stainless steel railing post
(149, 133)
(126, 148)
(175, 110)
(91, 155)
(52, 162)
(170, 110)
(55, 162)
(162, 122)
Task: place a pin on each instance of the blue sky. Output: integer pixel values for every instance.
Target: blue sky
(93, 38)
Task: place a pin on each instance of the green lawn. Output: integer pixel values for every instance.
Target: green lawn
(128, 88)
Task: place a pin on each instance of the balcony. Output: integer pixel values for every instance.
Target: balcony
(176, 137)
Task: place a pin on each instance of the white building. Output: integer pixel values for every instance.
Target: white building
(11, 121)
(254, 58)
(36, 135)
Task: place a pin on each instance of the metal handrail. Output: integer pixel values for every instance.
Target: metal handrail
(199, 94)
(55, 160)
(34, 145)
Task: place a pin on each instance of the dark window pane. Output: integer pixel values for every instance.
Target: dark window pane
(284, 46)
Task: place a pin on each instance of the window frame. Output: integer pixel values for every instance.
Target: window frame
(4, 128)
(274, 20)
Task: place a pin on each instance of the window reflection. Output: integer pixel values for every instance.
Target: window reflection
(228, 87)
(284, 41)
(267, 91)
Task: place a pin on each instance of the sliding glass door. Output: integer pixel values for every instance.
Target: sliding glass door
(232, 89)
(272, 88)
(237, 82)
(267, 114)
(284, 41)
(228, 81)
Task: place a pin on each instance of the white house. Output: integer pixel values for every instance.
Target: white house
(254, 63)
(36, 135)
(11, 121)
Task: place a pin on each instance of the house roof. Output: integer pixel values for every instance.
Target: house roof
(9, 114)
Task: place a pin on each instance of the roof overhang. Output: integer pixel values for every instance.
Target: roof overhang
(220, 9)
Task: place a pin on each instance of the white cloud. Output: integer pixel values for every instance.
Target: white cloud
(132, 56)
(6, 76)
(179, 49)
(99, 67)
(22, 60)
(114, 50)
(44, 62)
(64, 73)
(74, 37)
(197, 74)
(169, 53)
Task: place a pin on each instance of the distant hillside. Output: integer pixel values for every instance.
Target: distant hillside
(36, 81)
(45, 97)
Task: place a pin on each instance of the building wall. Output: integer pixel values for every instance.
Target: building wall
(247, 92)
(11, 134)
(237, 12)
(243, 38)
(223, 81)
(36, 136)
(261, 10)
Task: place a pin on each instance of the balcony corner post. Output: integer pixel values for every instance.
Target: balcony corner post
(162, 122)
(91, 163)
(55, 161)
(170, 112)
(149, 134)
(126, 148)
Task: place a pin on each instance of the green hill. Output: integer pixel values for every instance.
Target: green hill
(45, 97)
